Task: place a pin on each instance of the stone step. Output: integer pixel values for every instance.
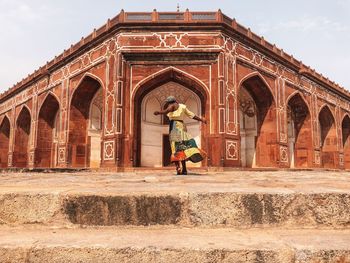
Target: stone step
(163, 244)
(242, 210)
(235, 199)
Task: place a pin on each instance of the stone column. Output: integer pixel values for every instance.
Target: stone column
(112, 108)
(62, 148)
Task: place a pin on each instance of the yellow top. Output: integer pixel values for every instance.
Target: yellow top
(179, 114)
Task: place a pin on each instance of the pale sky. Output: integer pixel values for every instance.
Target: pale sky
(314, 31)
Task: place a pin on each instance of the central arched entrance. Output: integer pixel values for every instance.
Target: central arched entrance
(151, 146)
(155, 147)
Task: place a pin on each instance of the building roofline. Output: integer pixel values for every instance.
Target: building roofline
(155, 18)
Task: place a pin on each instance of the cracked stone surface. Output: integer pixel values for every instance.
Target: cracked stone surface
(234, 199)
(164, 244)
(236, 216)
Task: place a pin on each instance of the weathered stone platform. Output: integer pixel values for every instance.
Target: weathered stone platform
(155, 216)
(160, 244)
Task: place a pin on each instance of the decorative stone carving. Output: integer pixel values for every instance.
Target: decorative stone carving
(61, 154)
(231, 150)
(108, 150)
(283, 154)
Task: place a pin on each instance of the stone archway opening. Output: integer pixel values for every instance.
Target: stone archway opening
(85, 125)
(346, 141)
(179, 79)
(328, 138)
(22, 138)
(5, 128)
(47, 136)
(299, 133)
(155, 146)
(258, 125)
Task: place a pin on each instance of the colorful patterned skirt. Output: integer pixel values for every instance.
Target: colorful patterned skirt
(183, 146)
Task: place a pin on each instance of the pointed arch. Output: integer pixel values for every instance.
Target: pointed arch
(5, 130)
(263, 141)
(328, 137)
(300, 108)
(261, 77)
(345, 127)
(297, 92)
(48, 120)
(148, 84)
(50, 93)
(326, 107)
(23, 108)
(5, 119)
(22, 138)
(346, 114)
(79, 141)
(299, 131)
(163, 75)
(85, 77)
(167, 75)
(326, 121)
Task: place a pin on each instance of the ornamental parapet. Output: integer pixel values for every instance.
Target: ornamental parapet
(200, 19)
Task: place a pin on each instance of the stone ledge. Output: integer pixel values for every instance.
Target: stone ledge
(241, 210)
(241, 199)
(172, 245)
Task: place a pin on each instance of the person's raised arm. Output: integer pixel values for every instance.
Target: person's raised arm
(191, 115)
(200, 119)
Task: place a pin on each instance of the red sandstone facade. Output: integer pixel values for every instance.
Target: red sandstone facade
(85, 108)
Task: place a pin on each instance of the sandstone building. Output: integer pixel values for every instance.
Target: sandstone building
(92, 105)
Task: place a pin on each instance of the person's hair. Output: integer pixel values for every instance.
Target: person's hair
(170, 99)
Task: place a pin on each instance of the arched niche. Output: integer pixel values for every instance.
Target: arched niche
(261, 144)
(84, 134)
(22, 138)
(299, 132)
(5, 129)
(48, 120)
(346, 140)
(328, 138)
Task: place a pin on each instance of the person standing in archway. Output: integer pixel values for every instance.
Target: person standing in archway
(183, 146)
